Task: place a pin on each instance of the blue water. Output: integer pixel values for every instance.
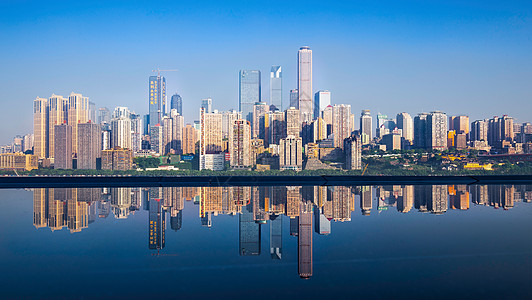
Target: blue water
(417, 242)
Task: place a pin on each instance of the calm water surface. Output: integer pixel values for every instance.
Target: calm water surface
(437, 241)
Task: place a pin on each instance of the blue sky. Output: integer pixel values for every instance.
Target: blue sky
(461, 57)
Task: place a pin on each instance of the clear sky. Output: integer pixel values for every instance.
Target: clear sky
(461, 57)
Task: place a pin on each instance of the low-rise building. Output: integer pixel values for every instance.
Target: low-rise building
(117, 159)
(18, 161)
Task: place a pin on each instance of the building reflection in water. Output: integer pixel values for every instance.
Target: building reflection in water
(308, 209)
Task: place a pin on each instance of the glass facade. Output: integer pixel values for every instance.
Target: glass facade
(249, 92)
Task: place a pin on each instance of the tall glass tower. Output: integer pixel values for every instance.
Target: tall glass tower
(249, 92)
(177, 103)
(304, 83)
(276, 87)
(157, 94)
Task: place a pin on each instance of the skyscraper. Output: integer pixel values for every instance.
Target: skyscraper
(257, 123)
(89, 145)
(189, 139)
(40, 127)
(304, 83)
(293, 122)
(78, 112)
(121, 132)
(322, 99)
(479, 130)
(420, 131)
(294, 98)
(353, 152)
(177, 103)
(136, 132)
(249, 92)
(56, 116)
(240, 144)
(63, 145)
(304, 240)
(157, 94)
(341, 115)
(291, 153)
(276, 87)
(366, 131)
(207, 104)
(249, 232)
(276, 236)
(406, 124)
(228, 119)
(156, 138)
(437, 130)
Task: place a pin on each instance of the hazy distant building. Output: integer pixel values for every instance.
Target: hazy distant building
(228, 119)
(249, 92)
(366, 131)
(103, 115)
(257, 121)
(294, 98)
(405, 122)
(63, 146)
(304, 83)
(276, 87)
(89, 145)
(176, 103)
(322, 99)
(157, 97)
(207, 105)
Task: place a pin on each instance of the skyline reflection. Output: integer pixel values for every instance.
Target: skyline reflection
(310, 209)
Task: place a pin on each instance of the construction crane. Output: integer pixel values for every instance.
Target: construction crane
(365, 169)
(159, 71)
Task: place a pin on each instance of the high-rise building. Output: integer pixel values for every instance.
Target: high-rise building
(437, 130)
(156, 138)
(291, 153)
(117, 159)
(322, 99)
(257, 123)
(92, 112)
(420, 131)
(157, 225)
(249, 92)
(366, 198)
(56, 116)
(341, 114)
(103, 115)
(276, 87)
(249, 236)
(294, 98)
(121, 112)
(177, 131)
(228, 119)
(28, 142)
(276, 128)
(121, 132)
(276, 237)
(304, 83)
(189, 139)
(353, 152)
(157, 94)
(63, 145)
(40, 127)
(319, 130)
(405, 122)
(210, 135)
(366, 131)
(136, 132)
(479, 130)
(304, 240)
(460, 124)
(176, 103)
(207, 105)
(240, 144)
(167, 135)
(89, 145)
(293, 122)
(78, 112)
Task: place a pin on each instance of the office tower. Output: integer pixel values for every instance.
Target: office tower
(366, 131)
(405, 122)
(40, 127)
(304, 83)
(353, 152)
(304, 240)
(177, 131)
(121, 112)
(276, 87)
(136, 132)
(341, 128)
(257, 121)
(322, 99)
(207, 105)
(146, 124)
(240, 144)
(249, 92)
(276, 236)
(276, 128)
(437, 130)
(294, 98)
(249, 235)
(420, 131)
(176, 103)
(228, 119)
(121, 133)
(56, 116)
(78, 112)
(479, 130)
(89, 145)
(291, 153)
(63, 145)
(92, 112)
(103, 116)
(293, 124)
(157, 94)
(189, 139)
(167, 135)
(156, 139)
(117, 159)
(156, 225)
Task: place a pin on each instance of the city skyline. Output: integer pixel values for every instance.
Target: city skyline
(457, 68)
